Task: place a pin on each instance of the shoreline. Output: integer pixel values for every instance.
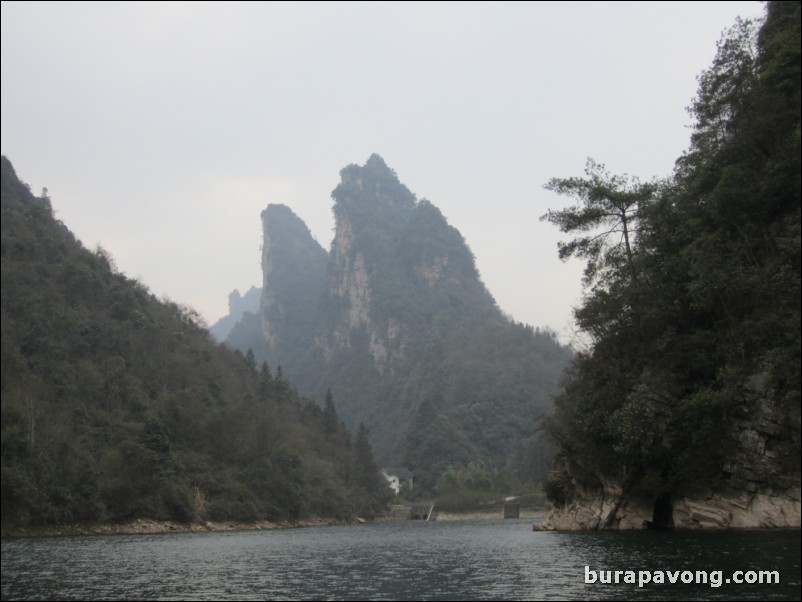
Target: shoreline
(146, 526)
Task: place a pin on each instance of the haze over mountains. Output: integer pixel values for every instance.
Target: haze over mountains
(395, 320)
(683, 410)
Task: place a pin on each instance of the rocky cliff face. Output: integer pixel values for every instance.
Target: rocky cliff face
(293, 268)
(759, 485)
(378, 275)
(349, 287)
(612, 508)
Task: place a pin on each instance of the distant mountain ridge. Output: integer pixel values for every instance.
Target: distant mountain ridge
(238, 305)
(396, 321)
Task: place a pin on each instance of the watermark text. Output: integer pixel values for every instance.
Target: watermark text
(712, 578)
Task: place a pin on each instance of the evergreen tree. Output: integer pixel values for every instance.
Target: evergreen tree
(366, 473)
(331, 421)
(376, 493)
(610, 202)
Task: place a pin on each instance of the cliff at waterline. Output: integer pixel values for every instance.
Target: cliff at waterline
(685, 412)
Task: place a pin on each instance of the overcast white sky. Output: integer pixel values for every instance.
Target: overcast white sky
(162, 130)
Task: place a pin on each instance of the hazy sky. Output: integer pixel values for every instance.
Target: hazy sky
(163, 130)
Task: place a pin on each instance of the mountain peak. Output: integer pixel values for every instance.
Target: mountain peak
(375, 161)
(395, 315)
(374, 181)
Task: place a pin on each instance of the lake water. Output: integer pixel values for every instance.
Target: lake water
(459, 560)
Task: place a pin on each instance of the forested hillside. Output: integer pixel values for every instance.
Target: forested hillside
(693, 298)
(116, 405)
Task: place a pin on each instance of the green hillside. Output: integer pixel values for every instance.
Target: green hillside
(116, 405)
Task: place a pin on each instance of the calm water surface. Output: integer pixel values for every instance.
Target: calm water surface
(490, 560)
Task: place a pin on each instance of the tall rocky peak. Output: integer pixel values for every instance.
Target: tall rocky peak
(391, 254)
(372, 184)
(293, 270)
(397, 323)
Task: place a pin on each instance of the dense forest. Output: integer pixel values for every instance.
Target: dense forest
(117, 405)
(397, 322)
(693, 290)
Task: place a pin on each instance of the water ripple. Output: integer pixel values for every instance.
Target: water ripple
(476, 560)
